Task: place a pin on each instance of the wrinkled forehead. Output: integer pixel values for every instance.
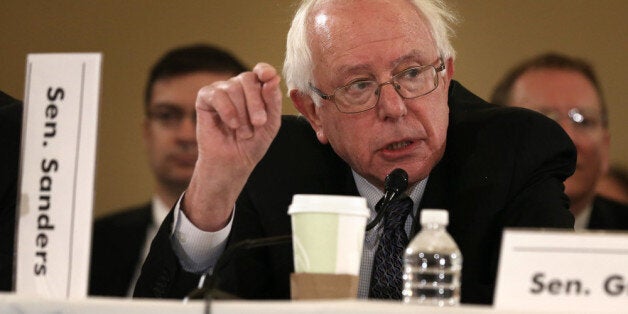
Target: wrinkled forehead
(335, 26)
(556, 89)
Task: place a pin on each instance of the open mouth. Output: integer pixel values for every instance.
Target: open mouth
(398, 145)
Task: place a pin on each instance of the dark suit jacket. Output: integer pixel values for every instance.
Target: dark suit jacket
(117, 246)
(608, 215)
(503, 167)
(10, 133)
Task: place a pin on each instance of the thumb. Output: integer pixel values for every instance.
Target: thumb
(271, 92)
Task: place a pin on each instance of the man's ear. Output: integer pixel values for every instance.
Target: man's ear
(449, 67)
(306, 106)
(449, 72)
(605, 151)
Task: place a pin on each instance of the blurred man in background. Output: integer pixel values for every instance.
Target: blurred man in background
(566, 89)
(121, 241)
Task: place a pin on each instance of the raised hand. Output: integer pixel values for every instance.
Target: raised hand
(236, 122)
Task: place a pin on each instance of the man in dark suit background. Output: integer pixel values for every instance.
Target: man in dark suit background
(10, 131)
(373, 81)
(614, 184)
(567, 90)
(120, 241)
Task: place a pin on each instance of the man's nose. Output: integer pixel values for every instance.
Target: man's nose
(187, 128)
(575, 136)
(390, 104)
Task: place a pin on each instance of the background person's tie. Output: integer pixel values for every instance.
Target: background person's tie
(386, 279)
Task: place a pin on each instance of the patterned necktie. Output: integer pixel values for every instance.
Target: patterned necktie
(386, 279)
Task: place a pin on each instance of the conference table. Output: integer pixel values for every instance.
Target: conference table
(11, 303)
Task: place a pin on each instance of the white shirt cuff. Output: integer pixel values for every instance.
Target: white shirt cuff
(198, 250)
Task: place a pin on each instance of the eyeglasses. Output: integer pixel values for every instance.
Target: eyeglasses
(362, 95)
(169, 116)
(579, 119)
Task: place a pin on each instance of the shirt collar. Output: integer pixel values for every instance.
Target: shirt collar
(159, 209)
(582, 219)
(372, 194)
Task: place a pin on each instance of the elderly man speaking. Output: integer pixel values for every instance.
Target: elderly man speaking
(373, 82)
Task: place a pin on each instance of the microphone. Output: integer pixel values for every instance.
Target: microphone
(395, 184)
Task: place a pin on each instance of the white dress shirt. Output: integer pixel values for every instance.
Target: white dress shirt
(582, 220)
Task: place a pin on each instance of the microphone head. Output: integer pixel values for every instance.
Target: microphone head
(396, 180)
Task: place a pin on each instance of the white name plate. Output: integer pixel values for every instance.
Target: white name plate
(57, 174)
(563, 271)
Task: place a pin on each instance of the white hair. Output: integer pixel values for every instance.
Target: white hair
(297, 67)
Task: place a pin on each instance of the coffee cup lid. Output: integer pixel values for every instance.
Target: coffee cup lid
(336, 204)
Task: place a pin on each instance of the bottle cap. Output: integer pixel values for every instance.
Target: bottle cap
(430, 215)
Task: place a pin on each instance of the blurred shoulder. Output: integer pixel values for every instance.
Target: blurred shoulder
(469, 114)
(130, 217)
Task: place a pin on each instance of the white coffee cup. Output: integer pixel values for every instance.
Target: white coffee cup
(328, 233)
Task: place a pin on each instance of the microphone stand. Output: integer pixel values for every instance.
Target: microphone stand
(395, 184)
(208, 288)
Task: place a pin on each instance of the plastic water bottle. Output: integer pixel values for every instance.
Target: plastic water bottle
(432, 263)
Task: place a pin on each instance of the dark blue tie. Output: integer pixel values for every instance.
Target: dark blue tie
(386, 279)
